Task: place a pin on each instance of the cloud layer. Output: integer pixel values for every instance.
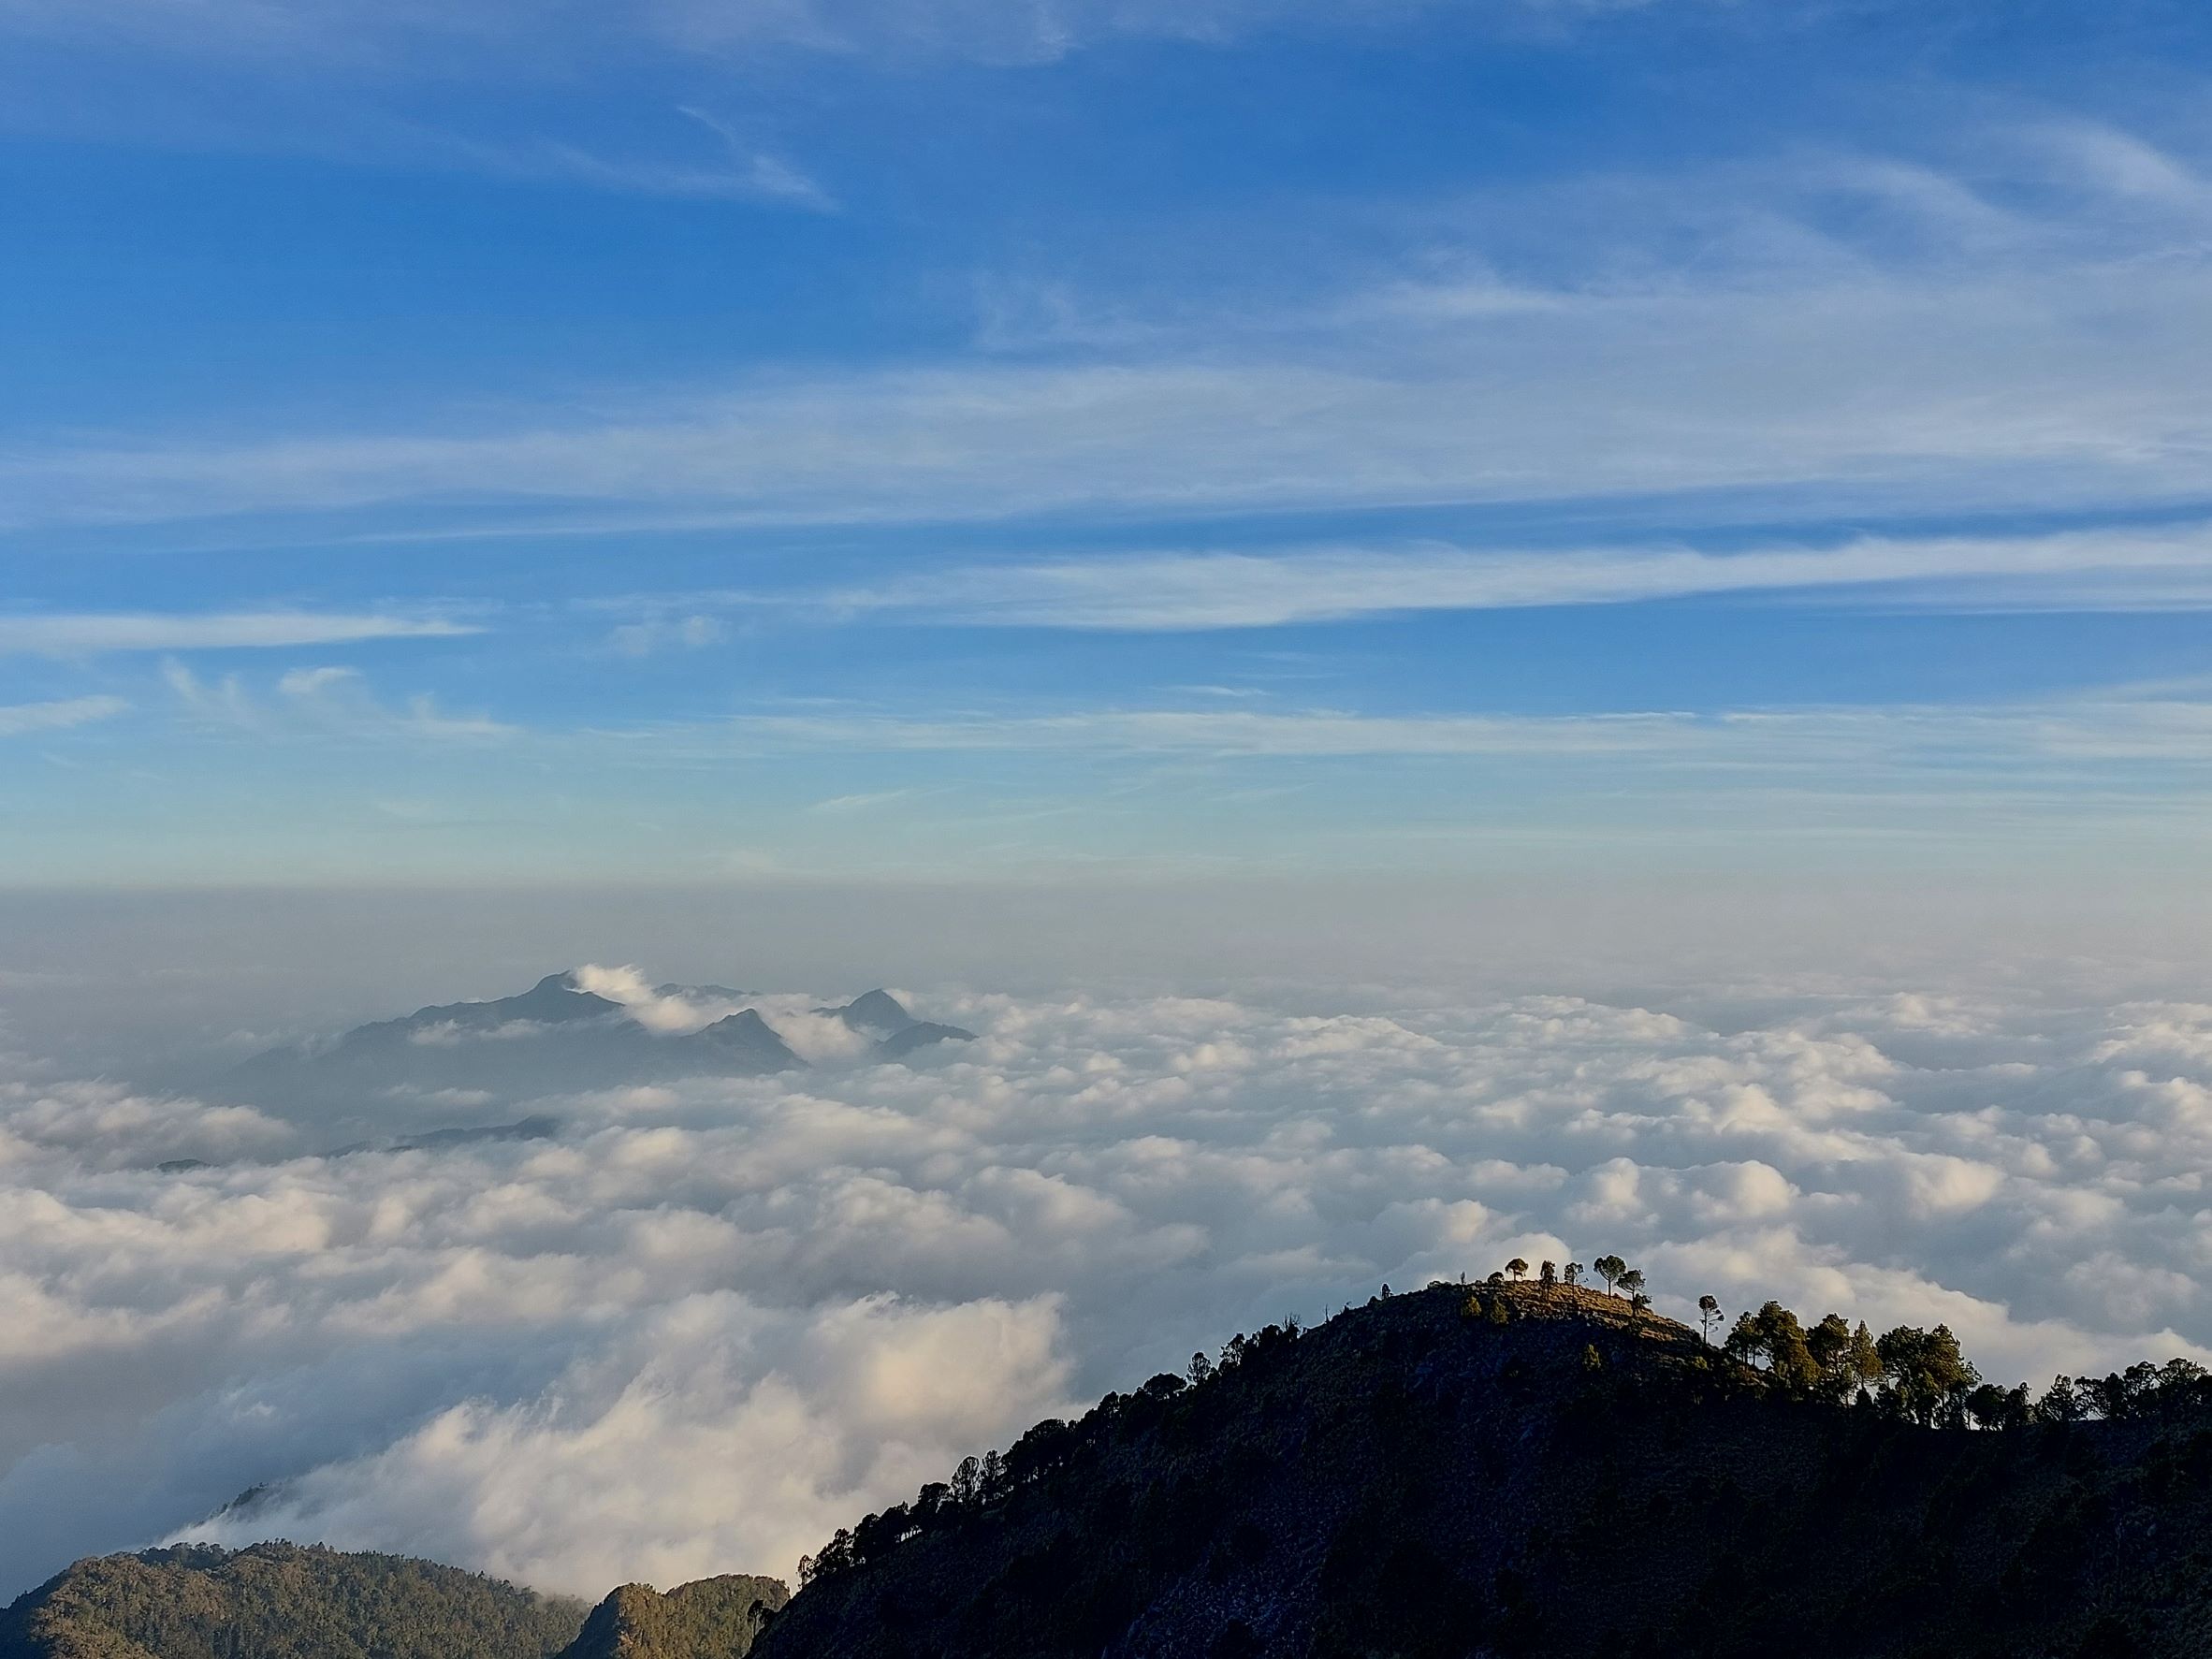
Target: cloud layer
(705, 1325)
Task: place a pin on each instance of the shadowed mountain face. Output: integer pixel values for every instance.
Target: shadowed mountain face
(554, 1038)
(280, 1601)
(898, 1033)
(876, 1013)
(1532, 1472)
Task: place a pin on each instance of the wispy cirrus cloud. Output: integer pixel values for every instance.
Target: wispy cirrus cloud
(60, 715)
(1826, 396)
(1166, 592)
(329, 700)
(742, 172)
(397, 38)
(2170, 727)
(92, 633)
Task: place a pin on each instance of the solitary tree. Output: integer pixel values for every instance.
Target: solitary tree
(1572, 1273)
(1639, 1302)
(1547, 1275)
(1632, 1281)
(1200, 1368)
(1517, 1267)
(1609, 1269)
(1708, 1315)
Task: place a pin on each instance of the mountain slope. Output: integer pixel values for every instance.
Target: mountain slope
(920, 1034)
(878, 1013)
(1536, 1471)
(280, 1601)
(898, 1032)
(712, 1618)
(740, 1043)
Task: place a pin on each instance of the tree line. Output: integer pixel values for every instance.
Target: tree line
(1922, 1376)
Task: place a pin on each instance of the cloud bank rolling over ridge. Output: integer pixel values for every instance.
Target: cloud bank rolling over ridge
(708, 1323)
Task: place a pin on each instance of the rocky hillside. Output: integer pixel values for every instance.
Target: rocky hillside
(1528, 1470)
(280, 1601)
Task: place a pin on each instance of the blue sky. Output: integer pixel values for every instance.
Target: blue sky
(923, 440)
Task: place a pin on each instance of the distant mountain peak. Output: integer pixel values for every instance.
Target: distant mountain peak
(554, 1038)
(553, 1000)
(743, 1034)
(878, 1013)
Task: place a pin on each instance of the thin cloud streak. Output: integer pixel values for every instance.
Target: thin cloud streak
(58, 716)
(87, 633)
(2117, 729)
(1176, 591)
(493, 40)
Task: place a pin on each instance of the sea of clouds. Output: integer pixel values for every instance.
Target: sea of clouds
(703, 1326)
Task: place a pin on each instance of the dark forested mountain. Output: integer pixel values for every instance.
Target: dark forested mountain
(1459, 1473)
(1523, 1469)
(713, 1619)
(280, 1601)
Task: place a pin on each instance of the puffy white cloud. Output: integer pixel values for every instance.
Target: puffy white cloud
(709, 1430)
(711, 1321)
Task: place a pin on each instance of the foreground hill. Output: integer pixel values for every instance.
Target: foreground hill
(713, 1619)
(283, 1601)
(280, 1601)
(1518, 1470)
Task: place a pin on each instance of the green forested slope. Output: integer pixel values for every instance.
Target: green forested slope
(280, 1601)
(712, 1618)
